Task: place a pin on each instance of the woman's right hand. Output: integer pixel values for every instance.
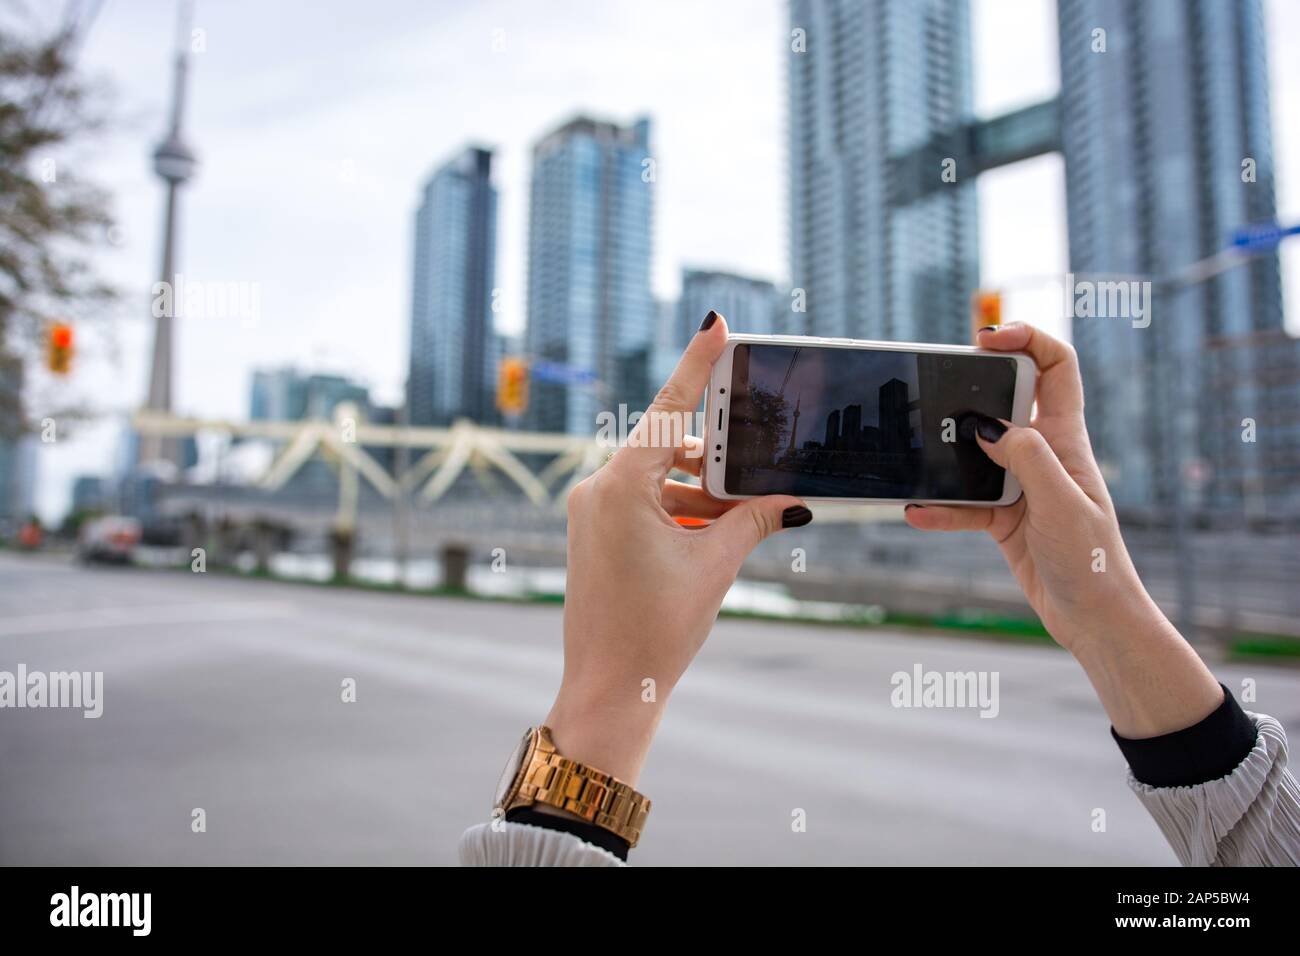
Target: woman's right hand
(1063, 544)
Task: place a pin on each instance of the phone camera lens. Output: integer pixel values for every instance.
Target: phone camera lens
(947, 364)
(722, 391)
(718, 458)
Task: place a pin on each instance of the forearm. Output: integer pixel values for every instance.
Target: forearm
(1149, 679)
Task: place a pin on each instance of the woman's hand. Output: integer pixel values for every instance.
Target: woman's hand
(1063, 544)
(643, 591)
(1051, 536)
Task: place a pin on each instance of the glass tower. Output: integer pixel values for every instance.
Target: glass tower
(749, 305)
(870, 80)
(590, 307)
(1167, 143)
(452, 365)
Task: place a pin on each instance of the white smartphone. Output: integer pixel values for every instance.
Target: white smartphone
(850, 420)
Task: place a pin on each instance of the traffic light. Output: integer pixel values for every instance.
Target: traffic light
(986, 309)
(59, 348)
(512, 387)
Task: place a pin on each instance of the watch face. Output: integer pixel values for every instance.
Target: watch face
(506, 785)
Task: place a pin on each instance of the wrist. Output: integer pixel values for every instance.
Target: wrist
(609, 729)
(1112, 613)
(1150, 681)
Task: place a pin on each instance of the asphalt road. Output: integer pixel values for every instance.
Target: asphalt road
(225, 694)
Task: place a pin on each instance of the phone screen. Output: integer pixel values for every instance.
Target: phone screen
(820, 421)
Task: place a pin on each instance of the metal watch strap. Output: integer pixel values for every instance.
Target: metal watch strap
(594, 796)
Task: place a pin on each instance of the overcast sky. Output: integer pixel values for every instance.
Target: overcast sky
(315, 125)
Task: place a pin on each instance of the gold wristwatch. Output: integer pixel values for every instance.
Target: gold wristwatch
(536, 773)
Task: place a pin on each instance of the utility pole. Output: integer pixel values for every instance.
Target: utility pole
(174, 162)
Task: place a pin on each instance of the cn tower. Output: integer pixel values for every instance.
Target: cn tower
(174, 162)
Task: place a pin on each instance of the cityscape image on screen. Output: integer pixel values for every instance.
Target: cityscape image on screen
(863, 423)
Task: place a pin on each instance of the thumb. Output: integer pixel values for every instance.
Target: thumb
(740, 530)
(1025, 453)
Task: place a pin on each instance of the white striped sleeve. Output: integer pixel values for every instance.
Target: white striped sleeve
(518, 844)
(1251, 817)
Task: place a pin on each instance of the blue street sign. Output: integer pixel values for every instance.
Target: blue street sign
(1261, 236)
(557, 373)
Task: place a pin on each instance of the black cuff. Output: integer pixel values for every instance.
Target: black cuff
(1197, 754)
(589, 832)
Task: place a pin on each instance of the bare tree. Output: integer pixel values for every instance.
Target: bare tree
(49, 218)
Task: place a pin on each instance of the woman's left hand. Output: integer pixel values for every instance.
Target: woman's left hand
(643, 591)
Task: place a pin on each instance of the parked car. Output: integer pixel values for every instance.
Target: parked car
(112, 538)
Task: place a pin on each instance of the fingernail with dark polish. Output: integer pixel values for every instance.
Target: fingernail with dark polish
(989, 328)
(795, 517)
(708, 321)
(990, 429)
(909, 507)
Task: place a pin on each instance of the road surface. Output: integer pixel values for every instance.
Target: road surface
(225, 694)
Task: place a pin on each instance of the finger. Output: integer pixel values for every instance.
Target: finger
(652, 447)
(740, 530)
(685, 387)
(1060, 389)
(943, 518)
(999, 522)
(1025, 453)
(689, 455)
(691, 501)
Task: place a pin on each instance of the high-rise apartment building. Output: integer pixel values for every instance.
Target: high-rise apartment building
(1168, 148)
(870, 80)
(452, 363)
(590, 307)
(287, 395)
(750, 305)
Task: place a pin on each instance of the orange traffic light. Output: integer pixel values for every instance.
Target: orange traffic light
(986, 309)
(512, 386)
(59, 348)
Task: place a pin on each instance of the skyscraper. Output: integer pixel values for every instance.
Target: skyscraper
(750, 305)
(833, 431)
(17, 450)
(1168, 148)
(452, 363)
(895, 417)
(287, 395)
(665, 345)
(17, 479)
(590, 306)
(851, 428)
(277, 395)
(872, 80)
